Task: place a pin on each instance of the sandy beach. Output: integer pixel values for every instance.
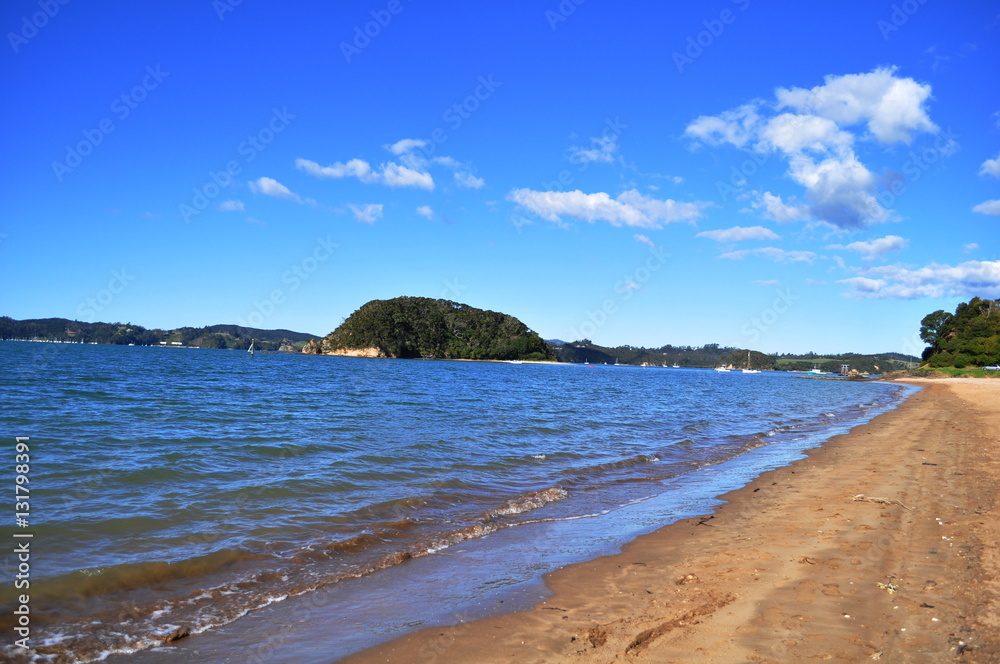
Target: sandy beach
(881, 545)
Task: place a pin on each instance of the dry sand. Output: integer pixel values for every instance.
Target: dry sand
(789, 570)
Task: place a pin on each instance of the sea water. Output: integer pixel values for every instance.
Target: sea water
(195, 489)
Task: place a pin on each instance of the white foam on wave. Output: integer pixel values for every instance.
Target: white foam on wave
(530, 501)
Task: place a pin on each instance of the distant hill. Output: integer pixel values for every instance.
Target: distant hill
(713, 355)
(423, 327)
(212, 336)
(709, 355)
(870, 364)
(420, 327)
(968, 338)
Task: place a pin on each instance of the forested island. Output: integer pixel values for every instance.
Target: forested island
(420, 327)
(124, 334)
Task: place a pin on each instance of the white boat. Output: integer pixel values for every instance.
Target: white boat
(514, 362)
(748, 369)
(816, 371)
(676, 366)
(722, 369)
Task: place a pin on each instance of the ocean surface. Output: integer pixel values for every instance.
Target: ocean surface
(206, 489)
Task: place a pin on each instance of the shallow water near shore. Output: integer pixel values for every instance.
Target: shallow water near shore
(288, 497)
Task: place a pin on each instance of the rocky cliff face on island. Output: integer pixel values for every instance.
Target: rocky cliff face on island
(420, 327)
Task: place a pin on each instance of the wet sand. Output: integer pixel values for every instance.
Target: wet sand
(881, 545)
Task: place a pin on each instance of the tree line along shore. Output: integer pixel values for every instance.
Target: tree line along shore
(416, 327)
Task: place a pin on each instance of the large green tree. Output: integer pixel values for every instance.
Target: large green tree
(969, 337)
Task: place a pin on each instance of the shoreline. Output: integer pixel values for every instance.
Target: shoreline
(792, 567)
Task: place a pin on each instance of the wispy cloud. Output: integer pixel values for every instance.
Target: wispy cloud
(410, 169)
(406, 145)
(468, 180)
(425, 211)
(773, 253)
(991, 167)
(875, 248)
(389, 174)
(773, 207)
(972, 278)
(601, 149)
(368, 213)
(740, 233)
(232, 206)
(639, 237)
(271, 187)
(630, 208)
(988, 207)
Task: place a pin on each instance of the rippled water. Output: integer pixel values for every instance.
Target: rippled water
(186, 487)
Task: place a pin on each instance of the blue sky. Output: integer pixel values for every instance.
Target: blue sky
(787, 178)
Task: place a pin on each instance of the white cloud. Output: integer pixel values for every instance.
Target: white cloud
(395, 175)
(863, 285)
(468, 180)
(792, 133)
(354, 168)
(875, 248)
(425, 211)
(411, 168)
(738, 126)
(391, 174)
(368, 213)
(815, 140)
(988, 207)
(271, 187)
(991, 167)
(406, 145)
(603, 149)
(841, 189)
(450, 162)
(891, 107)
(972, 278)
(969, 248)
(766, 282)
(772, 207)
(630, 208)
(232, 206)
(773, 253)
(740, 233)
(639, 237)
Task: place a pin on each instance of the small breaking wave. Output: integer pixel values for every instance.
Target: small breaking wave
(530, 501)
